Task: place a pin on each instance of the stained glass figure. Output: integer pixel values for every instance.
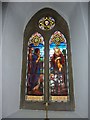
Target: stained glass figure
(58, 69)
(46, 23)
(35, 68)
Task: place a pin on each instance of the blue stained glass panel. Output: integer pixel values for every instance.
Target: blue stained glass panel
(58, 66)
(35, 67)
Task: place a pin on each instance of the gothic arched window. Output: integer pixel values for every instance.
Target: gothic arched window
(47, 66)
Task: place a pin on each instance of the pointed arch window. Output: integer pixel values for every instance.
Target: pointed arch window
(47, 66)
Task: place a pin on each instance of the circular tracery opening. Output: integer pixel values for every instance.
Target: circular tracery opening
(46, 23)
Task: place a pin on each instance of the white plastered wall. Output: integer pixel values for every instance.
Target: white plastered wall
(79, 38)
(15, 20)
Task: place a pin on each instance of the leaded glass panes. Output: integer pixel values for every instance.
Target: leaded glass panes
(46, 23)
(47, 67)
(35, 68)
(58, 68)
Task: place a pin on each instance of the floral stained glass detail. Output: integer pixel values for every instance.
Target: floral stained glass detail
(35, 68)
(46, 23)
(58, 68)
(36, 39)
(57, 38)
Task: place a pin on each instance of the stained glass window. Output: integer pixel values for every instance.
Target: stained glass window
(58, 69)
(46, 23)
(47, 66)
(35, 68)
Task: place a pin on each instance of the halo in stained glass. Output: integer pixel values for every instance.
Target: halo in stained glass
(35, 68)
(36, 39)
(58, 68)
(57, 38)
(46, 23)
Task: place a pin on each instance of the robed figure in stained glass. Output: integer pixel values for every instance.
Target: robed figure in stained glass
(47, 68)
(35, 66)
(58, 67)
(57, 60)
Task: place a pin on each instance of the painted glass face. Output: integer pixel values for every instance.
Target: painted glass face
(35, 68)
(58, 68)
(46, 23)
